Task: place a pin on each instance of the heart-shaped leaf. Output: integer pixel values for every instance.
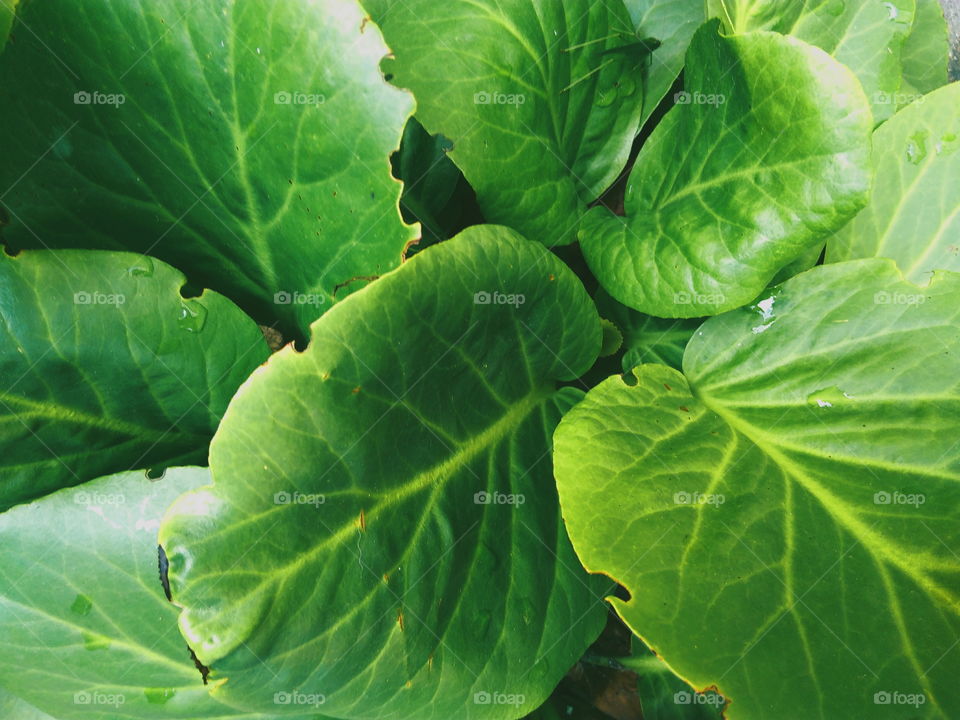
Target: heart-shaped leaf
(784, 514)
(85, 630)
(548, 95)
(914, 214)
(246, 143)
(774, 139)
(383, 526)
(106, 367)
(867, 36)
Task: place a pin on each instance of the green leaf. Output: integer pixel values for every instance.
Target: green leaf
(547, 96)
(664, 696)
(8, 14)
(85, 629)
(13, 707)
(647, 339)
(435, 193)
(784, 514)
(914, 214)
(926, 50)
(107, 367)
(673, 23)
(865, 35)
(774, 156)
(410, 557)
(246, 143)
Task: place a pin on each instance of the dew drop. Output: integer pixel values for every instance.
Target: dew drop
(143, 267)
(192, 317)
(829, 397)
(159, 696)
(606, 97)
(892, 12)
(837, 8)
(81, 605)
(917, 147)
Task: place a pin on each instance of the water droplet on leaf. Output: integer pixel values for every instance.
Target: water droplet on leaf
(192, 317)
(81, 605)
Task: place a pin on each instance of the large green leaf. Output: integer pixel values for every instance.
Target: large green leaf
(773, 155)
(245, 142)
(411, 558)
(914, 214)
(865, 35)
(106, 367)
(785, 514)
(926, 51)
(85, 630)
(499, 78)
(673, 23)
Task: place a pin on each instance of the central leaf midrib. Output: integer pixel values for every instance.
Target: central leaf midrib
(442, 471)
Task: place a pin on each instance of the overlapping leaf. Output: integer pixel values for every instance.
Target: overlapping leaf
(768, 155)
(105, 367)
(672, 23)
(383, 526)
(85, 630)
(867, 36)
(246, 143)
(914, 213)
(784, 513)
(541, 100)
(926, 51)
